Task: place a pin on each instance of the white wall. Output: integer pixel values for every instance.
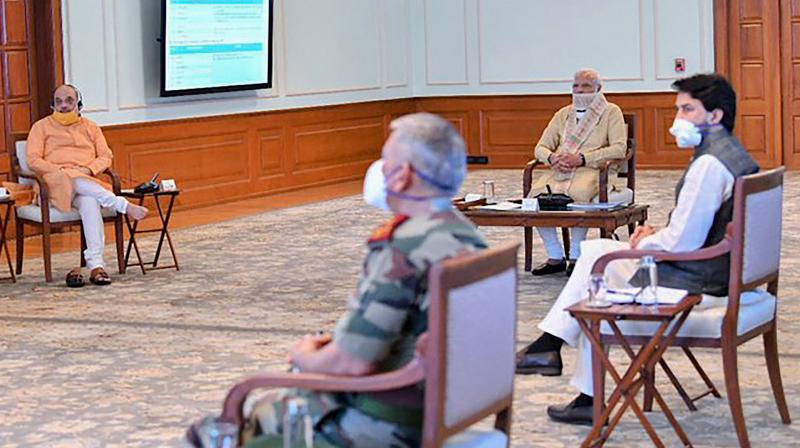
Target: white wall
(333, 52)
(326, 53)
(474, 47)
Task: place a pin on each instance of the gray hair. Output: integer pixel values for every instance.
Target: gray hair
(590, 73)
(434, 148)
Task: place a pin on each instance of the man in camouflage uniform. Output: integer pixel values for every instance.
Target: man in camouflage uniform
(423, 164)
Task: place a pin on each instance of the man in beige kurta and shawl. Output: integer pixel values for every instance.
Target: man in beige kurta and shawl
(579, 139)
(69, 152)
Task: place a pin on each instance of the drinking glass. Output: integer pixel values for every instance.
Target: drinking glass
(597, 290)
(218, 434)
(488, 191)
(298, 431)
(649, 270)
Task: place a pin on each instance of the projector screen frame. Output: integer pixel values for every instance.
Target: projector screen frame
(221, 89)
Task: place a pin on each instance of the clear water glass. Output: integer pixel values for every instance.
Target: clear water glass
(488, 192)
(298, 429)
(214, 433)
(597, 291)
(649, 270)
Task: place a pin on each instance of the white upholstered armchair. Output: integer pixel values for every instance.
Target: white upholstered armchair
(49, 218)
(466, 358)
(753, 241)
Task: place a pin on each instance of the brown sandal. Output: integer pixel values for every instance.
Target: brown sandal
(99, 277)
(75, 278)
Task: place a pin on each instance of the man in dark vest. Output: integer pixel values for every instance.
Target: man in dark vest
(706, 111)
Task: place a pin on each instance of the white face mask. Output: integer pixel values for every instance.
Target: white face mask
(581, 101)
(375, 192)
(686, 133)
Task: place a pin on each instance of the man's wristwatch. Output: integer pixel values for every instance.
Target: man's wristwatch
(583, 160)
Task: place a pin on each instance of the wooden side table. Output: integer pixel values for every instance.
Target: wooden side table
(636, 377)
(9, 204)
(164, 214)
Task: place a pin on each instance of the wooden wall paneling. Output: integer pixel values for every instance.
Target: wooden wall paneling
(15, 23)
(790, 70)
(19, 115)
(509, 126)
(48, 51)
(323, 145)
(18, 81)
(18, 75)
(754, 68)
(270, 152)
(239, 156)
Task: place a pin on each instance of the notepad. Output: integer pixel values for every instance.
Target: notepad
(591, 206)
(501, 206)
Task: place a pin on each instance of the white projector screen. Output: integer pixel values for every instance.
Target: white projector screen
(215, 46)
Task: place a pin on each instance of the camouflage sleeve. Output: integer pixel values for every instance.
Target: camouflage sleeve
(386, 293)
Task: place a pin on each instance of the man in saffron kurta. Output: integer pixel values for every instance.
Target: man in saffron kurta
(69, 151)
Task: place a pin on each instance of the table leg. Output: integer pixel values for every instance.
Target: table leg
(165, 217)
(662, 343)
(598, 376)
(627, 386)
(3, 228)
(132, 241)
(528, 248)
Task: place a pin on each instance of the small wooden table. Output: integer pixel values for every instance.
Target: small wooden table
(628, 385)
(606, 221)
(9, 203)
(164, 215)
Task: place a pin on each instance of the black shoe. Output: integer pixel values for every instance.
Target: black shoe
(571, 414)
(543, 363)
(547, 268)
(570, 267)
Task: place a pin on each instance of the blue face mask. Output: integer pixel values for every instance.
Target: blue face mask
(376, 194)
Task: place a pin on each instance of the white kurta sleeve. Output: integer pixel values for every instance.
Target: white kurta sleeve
(706, 186)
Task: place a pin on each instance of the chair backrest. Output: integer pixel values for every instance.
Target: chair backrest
(472, 331)
(628, 170)
(19, 160)
(757, 227)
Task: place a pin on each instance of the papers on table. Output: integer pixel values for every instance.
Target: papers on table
(593, 206)
(665, 295)
(472, 197)
(501, 206)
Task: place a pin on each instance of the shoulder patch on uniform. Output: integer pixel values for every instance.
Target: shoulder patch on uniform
(385, 231)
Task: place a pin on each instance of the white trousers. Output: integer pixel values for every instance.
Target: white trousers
(560, 323)
(553, 247)
(89, 199)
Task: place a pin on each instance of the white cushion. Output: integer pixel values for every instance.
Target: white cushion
(21, 147)
(34, 213)
(705, 321)
(762, 238)
(624, 195)
(474, 438)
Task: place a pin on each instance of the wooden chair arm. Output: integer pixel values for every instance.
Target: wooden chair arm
(527, 177)
(603, 178)
(408, 375)
(44, 192)
(707, 253)
(116, 182)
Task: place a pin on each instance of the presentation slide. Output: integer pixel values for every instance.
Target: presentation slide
(216, 45)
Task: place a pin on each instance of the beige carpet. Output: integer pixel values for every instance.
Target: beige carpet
(133, 364)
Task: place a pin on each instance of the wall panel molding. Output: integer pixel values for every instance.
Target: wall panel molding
(436, 54)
